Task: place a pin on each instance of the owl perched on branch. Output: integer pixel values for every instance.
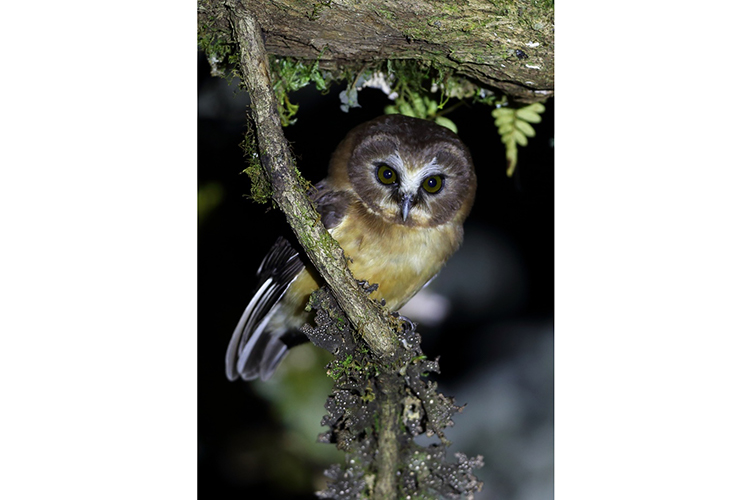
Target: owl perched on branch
(397, 193)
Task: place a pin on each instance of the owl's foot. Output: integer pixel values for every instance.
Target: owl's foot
(407, 324)
(367, 287)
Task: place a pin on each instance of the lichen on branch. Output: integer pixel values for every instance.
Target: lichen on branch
(376, 411)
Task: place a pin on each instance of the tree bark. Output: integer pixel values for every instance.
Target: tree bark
(387, 458)
(288, 192)
(369, 320)
(507, 45)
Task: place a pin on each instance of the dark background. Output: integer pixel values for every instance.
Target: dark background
(257, 440)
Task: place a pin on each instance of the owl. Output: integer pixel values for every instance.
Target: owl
(396, 196)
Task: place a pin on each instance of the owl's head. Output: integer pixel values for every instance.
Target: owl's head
(408, 171)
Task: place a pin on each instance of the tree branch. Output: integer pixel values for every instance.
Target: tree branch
(288, 192)
(502, 44)
(387, 459)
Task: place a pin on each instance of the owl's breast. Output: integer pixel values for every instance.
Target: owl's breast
(400, 259)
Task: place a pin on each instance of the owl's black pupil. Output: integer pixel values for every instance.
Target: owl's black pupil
(432, 182)
(387, 173)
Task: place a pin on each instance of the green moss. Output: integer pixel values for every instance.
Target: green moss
(215, 41)
(451, 7)
(318, 7)
(292, 74)
(387, 14)
(260, 187)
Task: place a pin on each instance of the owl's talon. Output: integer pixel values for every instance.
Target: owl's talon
(367, 286)
(408, 325)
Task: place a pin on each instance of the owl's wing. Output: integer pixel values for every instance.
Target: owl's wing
(252, 351)
(255, 350)
(331, 205)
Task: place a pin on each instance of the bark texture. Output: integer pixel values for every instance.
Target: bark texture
(507, 45)
(289, 193)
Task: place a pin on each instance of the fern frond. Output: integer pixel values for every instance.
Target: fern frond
(513, 125)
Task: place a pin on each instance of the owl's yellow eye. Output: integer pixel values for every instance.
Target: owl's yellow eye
(386, 174)
(433, 184)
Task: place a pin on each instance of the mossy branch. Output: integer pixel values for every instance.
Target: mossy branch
(501, 44)
(290, 194)
(371, 321)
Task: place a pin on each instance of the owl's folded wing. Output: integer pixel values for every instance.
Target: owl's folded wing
(275, 273)
(332, 205)
(255, 348)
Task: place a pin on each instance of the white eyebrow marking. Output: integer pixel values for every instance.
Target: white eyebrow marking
(394, 160)
(432, 168)
(411, 182)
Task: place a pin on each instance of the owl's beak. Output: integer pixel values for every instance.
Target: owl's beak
(406, 204)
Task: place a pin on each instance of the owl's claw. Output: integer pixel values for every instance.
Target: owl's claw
(368, 288)
(408, 325)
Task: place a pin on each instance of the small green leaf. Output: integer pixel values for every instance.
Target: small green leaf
(406, 109)
(537, 107)
(505, 120)
(520, 138)
(503, 113)
(432, 107)
(445, 122)
(420, 109)
(506, 128)
(524, 127)
(528, 115)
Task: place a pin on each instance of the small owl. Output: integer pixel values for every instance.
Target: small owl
(397, 193)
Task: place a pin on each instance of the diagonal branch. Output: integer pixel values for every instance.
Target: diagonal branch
(369, 319)
(324, 252)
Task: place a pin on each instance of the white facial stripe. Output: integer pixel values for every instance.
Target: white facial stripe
(405, 180)
(432, 168)
(411, 182)
(395, 161)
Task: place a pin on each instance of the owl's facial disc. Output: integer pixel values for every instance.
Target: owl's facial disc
(406, 171)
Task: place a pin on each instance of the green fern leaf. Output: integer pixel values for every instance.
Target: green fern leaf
(525, 128)
(447, 123)
(419, 106)
(520, 137)
(514, 128)
(529, 115)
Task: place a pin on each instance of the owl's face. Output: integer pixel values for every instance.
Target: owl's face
(409, 171)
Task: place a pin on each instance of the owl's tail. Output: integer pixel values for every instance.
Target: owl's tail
(255, 350)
